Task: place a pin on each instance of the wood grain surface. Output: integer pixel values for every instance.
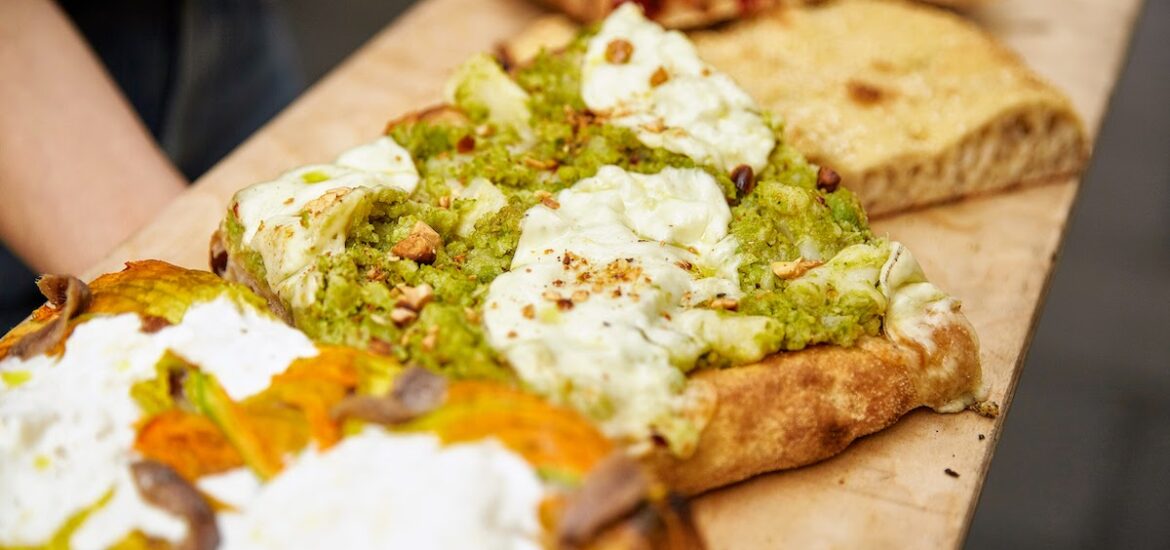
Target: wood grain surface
(890, 490)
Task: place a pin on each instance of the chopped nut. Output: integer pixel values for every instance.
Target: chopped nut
(445, 201)
(511, 334)
(402, 316)
(657, 126)
(730, 304)
(827, 179)
(547, 199)
(379, 346)
(472, 315)
(375, 273)
(431, 339)
(540, 164)
(744, 179)
(619, 51)
(415, 298)
(558, 283)
(551, 296)
(659, 77)
(564, 304)
(466, 144)
(795, 268)
(580, 296)
(420, 245)
(528, 311)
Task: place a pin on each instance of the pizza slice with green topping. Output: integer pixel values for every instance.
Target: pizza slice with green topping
(165, 408)
(616, 227)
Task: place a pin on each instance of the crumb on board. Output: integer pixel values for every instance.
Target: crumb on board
(951, 472)
(989, 409)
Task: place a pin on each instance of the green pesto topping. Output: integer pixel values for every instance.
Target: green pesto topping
(784, 218)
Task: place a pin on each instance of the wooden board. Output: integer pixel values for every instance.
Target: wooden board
(996, 254)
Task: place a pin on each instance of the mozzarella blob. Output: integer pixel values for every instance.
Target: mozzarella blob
(67, 427)
(670, 97)
(307, 212)
(378, 490)
(597, 308)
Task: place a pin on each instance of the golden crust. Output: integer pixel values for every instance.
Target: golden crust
(797, 408)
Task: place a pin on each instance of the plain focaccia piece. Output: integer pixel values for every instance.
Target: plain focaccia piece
(910, 105)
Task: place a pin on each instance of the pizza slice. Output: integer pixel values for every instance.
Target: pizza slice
(164, 408)
(618, 228)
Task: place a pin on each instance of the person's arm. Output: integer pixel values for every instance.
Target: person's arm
(78, 170)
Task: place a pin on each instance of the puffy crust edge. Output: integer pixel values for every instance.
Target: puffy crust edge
(793, 409)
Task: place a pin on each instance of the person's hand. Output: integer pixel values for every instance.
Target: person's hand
(78, 170)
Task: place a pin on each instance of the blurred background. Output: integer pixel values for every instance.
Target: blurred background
(1084, 461)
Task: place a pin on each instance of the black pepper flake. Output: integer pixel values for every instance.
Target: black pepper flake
(982, 437)
(827, 179)
(951, 472)
(744, 179)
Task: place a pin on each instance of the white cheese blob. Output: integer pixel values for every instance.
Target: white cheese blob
(383, 156)
(696, 111)
(488, 200)
(307, 212)
(66, 436)
(378, 490)
(67, 429)
(916, 309)
(596, 310)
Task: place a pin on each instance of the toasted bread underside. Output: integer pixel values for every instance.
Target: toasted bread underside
(910, 105)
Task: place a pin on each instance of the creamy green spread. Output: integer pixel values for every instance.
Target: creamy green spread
(798, 264)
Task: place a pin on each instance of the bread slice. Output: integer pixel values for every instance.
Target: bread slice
(911, 105)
